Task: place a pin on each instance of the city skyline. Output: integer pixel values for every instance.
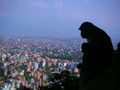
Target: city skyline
(58, 17)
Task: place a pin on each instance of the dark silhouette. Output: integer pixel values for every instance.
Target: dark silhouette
(99, 45)
(62, 81)
(98, 40)
(97, 52)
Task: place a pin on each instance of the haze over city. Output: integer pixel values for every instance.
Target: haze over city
(58, 17)
(41, 46)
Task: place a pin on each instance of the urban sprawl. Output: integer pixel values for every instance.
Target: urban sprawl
(29, 61)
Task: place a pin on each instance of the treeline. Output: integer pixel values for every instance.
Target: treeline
(66, 56)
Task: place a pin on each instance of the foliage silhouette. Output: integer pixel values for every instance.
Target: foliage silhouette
(116, 59)
(62, 81)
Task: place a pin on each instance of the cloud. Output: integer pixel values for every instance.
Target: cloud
(4, 4)
(21, 1)
(58, 4)
(38, 4)
(35, 14)
(87, 0)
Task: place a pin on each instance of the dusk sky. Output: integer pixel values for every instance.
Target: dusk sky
(58, 17)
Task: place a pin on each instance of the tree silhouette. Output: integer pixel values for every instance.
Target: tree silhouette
(62, 81)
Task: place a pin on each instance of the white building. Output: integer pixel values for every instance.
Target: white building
(21, 72)
(35, 65)
(43, 64)
(3, 57)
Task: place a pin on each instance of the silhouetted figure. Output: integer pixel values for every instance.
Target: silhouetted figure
(97, 55)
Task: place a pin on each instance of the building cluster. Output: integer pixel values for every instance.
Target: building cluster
(22, 63)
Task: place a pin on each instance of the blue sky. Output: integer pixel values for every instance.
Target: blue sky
(58, 17)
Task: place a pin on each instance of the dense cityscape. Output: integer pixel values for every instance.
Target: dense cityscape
(29, 61)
